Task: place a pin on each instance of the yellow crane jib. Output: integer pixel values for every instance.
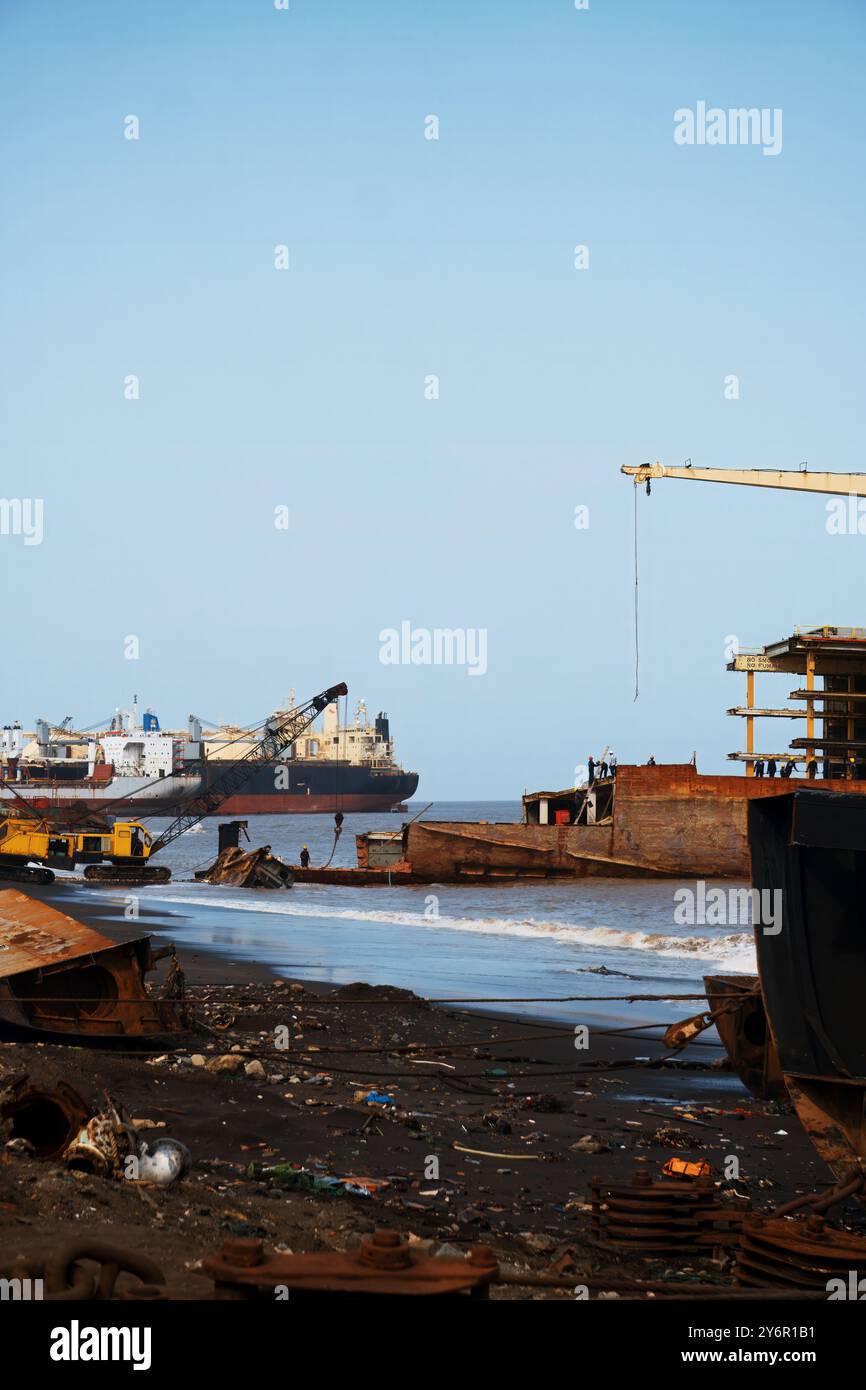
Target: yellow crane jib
(794, 480)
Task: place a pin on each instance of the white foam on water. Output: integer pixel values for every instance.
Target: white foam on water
(736, 949)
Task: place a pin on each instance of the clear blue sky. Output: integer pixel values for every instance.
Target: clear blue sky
(409, 257)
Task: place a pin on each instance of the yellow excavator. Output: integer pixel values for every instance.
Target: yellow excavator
(30, 850)
(32, 845)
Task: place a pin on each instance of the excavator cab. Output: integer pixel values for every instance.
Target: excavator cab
(122, 843)
(127, 848)
(131, 843)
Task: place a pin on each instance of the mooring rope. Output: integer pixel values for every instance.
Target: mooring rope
(338, 830)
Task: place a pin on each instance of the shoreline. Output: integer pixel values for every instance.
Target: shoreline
(217, 964)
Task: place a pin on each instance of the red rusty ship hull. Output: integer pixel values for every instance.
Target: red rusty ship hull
(668, 821)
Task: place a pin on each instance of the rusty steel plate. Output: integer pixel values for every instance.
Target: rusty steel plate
(33, 935)
(385, 1264)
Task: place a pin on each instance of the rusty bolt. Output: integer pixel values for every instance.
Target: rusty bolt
(386, 1250)
(243, 1251)
(482, 1257)
(387, 1238)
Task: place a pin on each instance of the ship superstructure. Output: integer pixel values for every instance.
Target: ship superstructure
(133, 766)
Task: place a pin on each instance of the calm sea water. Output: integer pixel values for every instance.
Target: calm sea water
(484, 942)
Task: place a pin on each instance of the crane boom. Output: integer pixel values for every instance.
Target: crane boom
(841, 484)
(279, 733)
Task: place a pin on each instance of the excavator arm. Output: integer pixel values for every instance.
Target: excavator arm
(840, 484)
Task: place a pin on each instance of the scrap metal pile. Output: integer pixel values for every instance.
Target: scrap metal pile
(256, 868)
(53, 1121)
(663, 1216)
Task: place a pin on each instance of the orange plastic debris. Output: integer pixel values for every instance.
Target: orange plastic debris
(683, 1168)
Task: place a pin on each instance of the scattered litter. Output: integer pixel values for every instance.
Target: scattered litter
(589, 1144)
(375, 1098)
(485, 1153)
(684, 1168)
(294, 1177)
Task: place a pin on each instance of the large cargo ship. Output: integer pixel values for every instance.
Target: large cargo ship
(135, 767)
(339, 767)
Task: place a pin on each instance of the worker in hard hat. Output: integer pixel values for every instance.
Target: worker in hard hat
(305, 858)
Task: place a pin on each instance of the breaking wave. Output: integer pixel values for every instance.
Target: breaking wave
(734, 947)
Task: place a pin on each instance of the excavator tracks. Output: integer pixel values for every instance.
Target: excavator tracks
(23, 873)
(127, 874)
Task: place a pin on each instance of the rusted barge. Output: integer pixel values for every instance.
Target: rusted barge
(62, 982)
(656, 820)
(665, 821)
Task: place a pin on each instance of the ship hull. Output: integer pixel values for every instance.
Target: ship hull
(809, 850)
(123, 795)
(309, 788)
(287, 804)
(665, 821)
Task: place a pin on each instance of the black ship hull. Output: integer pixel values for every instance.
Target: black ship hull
(299, 788)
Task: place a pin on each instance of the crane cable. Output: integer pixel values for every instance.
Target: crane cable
(636, 630)
(341, 747)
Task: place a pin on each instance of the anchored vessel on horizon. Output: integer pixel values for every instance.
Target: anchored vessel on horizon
(135, 766)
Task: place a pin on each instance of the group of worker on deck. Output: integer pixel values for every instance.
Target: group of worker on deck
(769, 768)
(605, 766)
